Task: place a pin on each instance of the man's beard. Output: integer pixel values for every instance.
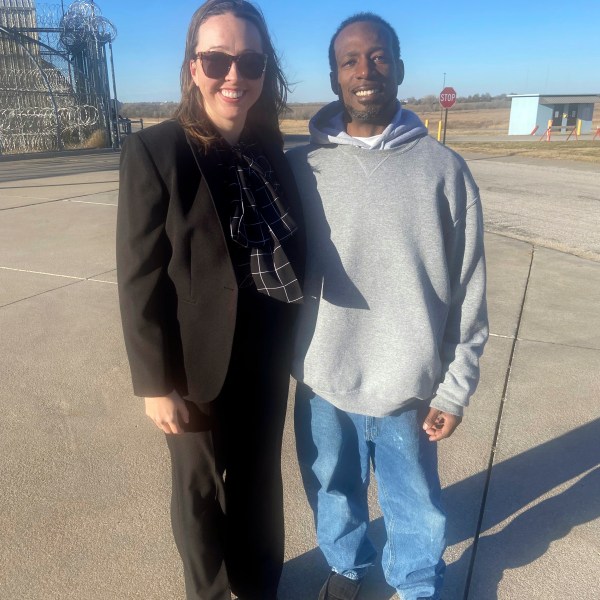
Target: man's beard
(368, 115)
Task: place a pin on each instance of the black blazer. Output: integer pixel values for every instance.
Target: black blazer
(177, 287)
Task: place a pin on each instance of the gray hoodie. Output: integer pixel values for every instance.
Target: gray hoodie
(395, 285)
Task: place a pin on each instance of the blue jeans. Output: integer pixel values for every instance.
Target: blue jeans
(335, 450)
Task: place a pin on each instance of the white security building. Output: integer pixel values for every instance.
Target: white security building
(530, 110)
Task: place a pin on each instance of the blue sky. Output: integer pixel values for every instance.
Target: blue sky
(496, 47)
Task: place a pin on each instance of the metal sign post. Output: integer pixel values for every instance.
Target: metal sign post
(447, 100)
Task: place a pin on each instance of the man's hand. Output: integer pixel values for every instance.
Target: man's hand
(439, 425)
(166, 412)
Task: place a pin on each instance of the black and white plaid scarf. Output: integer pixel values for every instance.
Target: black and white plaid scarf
(260, 221)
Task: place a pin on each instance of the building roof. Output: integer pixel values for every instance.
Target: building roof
(561, 98)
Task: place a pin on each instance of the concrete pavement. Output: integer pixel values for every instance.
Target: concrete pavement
(84, 476)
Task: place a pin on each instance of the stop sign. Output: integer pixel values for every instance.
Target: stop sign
(447, 97)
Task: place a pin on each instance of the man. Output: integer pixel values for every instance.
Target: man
(394, 320)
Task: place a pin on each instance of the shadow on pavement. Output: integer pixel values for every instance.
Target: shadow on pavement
(528, 536)
(20, 169)
(515, 483)
(520, 480)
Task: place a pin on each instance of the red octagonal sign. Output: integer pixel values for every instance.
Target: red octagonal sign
(448, 97)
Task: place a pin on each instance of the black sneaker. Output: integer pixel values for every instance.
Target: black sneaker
(338, 587)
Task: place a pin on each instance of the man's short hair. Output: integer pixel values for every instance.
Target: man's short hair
(363, 17)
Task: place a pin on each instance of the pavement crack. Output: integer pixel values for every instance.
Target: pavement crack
(32, 204)
(60, 287)
(47, 185)
(74, 281)
(103, 273)
(496, 435)
(67, 199)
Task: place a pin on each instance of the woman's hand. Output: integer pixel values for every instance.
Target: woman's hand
(166, 412)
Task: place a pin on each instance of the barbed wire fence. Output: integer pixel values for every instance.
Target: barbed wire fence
(55, 87)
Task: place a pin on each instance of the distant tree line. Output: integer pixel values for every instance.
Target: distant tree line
(460, 99)
(306, 110)
(148, 110)
(476, 101)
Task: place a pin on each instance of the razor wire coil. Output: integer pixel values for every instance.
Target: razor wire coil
(54, 89)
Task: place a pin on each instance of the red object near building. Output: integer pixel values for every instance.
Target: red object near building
(448, 97)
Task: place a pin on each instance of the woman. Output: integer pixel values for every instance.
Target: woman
(209, 265)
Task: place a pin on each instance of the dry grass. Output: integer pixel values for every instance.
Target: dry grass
(582, 151)
(492, 122)
(97, 139)
(467, 122)
(294, 127)
(149, 121)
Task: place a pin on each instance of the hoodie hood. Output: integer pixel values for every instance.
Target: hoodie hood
(327, 127)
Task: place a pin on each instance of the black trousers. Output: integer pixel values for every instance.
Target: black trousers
(227, 497)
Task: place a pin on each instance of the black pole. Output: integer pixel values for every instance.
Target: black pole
(443, 88)
(116, 102)
(104, 88)
(445, 124)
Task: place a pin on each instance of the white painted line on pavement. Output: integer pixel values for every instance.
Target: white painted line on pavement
(86, 202)
(102, 281)
(58, 275)
(43, 273)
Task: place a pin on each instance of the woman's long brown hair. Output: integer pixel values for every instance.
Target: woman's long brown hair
(264, 115)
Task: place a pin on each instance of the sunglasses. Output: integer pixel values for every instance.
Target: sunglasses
(250, 65)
